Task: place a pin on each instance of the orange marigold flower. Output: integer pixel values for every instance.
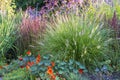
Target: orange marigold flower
(30, 63)
(53, 77)
(38, 59)
(28, 53)
(53, 64)
(27, 67)
(50, 71)
(80, 71)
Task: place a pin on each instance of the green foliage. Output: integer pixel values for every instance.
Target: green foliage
(76, 37)
(7, 7)
(72, 76)
(8, 32)
(40, 69)
(17, 75)
(69, 66)
(114, 54)
(25, 3)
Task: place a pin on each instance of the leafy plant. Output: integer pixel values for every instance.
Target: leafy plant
(44, 68)
(17, 74)
(72, 76)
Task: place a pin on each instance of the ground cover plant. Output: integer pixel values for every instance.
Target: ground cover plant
(60, 40)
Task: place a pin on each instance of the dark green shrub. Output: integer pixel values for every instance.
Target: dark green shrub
(25, 3)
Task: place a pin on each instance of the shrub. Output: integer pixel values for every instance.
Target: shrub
(24, 4)
(71, 36)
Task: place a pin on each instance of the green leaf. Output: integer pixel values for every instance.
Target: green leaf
(46, 57)
(60, 72)
(71, 67)
(43, 69)
(75, 71)
(62, 68)
(82, 67)
(40, 63)
(70, 62)
(33, 68)
(47, 64)
(62, 63)
(85, 70)
(77, 63)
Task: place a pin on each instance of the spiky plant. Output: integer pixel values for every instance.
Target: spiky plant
(8, 32)
(77, 37)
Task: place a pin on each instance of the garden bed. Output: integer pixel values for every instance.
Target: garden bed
(64, 40)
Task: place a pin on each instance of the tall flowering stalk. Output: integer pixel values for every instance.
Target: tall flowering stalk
(32, 28)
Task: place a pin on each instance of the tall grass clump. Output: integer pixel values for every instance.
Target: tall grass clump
(7, 7)
(114, 46)
(31, 25)
(111, 12)
(76, 37)
(8, 30)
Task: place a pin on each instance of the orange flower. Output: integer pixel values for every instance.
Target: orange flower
(53, 64)
(28, 53)
(38, 59)
(80, 71)
(30, 63)
(53, 77)
(1, 67)
(50, 71)
(27, 67)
